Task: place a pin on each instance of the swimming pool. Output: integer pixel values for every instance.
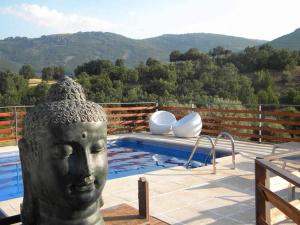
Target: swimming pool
(126, 156)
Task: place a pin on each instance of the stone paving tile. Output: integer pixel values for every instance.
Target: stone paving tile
(110, 201)
(246, 216)
(168, 219)
(227, 221)
(166, 202)
(8, 209)
(165, 188)
(189, 180)
(186, 179)
(121, 184)
(238, 183)
(15, 204)
(129, 195)
(222, 206)
(132, 194)
(286, 222)
(215, 189)
(191, 216)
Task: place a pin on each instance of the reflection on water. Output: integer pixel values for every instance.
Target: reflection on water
(125, 161)
(124, 158)
(11, 183)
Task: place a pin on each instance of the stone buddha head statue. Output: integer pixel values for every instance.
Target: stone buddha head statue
(64, 159)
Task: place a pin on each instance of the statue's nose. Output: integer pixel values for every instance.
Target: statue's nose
(86, 164)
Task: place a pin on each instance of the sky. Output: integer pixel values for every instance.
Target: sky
(256, 19)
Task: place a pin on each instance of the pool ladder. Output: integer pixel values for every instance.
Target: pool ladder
(213, 149)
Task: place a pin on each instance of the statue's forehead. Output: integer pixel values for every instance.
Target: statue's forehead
(80, 129)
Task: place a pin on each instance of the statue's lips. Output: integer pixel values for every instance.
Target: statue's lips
(87, 185)
(82, 188)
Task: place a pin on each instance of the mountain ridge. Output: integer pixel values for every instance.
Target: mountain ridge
(290, 41)
(70, 50)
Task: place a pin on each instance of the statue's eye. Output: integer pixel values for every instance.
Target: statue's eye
(66, 150)
(63, 151)
(98, 147)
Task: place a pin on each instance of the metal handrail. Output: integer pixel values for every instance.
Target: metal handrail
(212, 151)
(226, 134)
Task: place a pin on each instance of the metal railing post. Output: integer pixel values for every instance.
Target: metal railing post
(16, 124)
(259, 123)
(156, 105)
(193, 106)
(228, 135)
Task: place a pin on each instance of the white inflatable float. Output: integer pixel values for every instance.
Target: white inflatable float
(161, 122)
(188, 126)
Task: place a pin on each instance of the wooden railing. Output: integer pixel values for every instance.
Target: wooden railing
(128, 119)
(122, 117)
(11, 123)
(269, 180)
(249, 124)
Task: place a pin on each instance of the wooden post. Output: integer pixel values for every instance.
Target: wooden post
(143, 189)
(261, 205)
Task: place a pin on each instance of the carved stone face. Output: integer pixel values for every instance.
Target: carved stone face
(64, 158)
(74, 159)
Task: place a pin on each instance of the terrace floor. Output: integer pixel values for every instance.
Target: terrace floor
(195, 196)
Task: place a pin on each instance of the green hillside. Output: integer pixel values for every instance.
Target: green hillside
(202, 41)
(290, 41)
(70, 50)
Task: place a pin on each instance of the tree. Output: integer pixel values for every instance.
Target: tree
(286, 77)
(132, 76)
(47, 73)
(36, 95)
(263, 80)
(219, 51)
(192, 54)
(246, 92)
(120, 63)
(175, 56)
(226, 82)
(94, 67)
(151, 62)
(102, 89)
(58, 72)
(282, 59)
(290, 96)
(134, 94)
(268, 96)
(27, 71)
(12, 88)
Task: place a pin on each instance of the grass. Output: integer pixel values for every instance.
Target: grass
(36, 81)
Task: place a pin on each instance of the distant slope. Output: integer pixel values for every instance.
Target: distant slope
(70, 50)
(202, 41)
(291, 41)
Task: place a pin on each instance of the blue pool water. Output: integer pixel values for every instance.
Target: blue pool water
(126, 157)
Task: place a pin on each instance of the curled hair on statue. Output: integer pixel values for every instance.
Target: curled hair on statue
(66, 104)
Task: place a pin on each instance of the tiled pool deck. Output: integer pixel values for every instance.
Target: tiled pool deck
(195, 196)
